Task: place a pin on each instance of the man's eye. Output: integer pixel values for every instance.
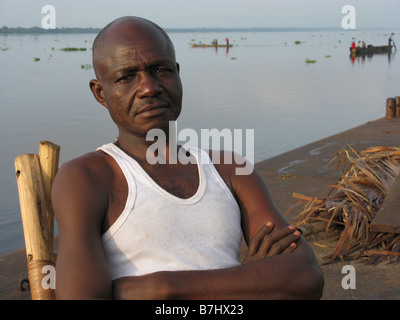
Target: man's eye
(126, 77)
(157, 70)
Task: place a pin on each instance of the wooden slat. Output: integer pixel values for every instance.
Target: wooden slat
(49, 154)
(33, 207)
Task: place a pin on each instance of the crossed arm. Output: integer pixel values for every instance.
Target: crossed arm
(268, 274)
(279, 263)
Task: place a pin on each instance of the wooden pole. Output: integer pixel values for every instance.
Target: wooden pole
(312, 228)
(397, 106)
(49, 155)
(34, 179)
(33, 207)
(390, 108)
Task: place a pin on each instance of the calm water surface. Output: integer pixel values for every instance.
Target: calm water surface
(262, 83)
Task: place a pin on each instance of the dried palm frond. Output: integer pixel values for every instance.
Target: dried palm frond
(367, 177)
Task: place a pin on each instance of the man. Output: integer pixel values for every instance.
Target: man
(134, 230)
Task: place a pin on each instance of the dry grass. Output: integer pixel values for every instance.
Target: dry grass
(352, 203)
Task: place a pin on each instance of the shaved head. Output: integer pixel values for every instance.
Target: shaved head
(117, 31)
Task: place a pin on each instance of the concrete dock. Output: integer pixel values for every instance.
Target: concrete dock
(304, 170)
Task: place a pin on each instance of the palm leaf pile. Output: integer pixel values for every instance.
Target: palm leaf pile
(352, 203)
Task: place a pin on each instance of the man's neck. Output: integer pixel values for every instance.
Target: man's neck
(149, 152)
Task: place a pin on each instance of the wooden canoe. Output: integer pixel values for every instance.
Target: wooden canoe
(196, 45)
(370, 50)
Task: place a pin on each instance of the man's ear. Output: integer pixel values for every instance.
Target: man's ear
(178, 67)
(97, 89)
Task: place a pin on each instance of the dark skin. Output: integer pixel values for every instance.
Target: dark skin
(138, 82)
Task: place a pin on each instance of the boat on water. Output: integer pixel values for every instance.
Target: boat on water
(205, 45)
(370, 49)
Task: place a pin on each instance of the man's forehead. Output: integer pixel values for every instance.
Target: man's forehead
(133, 54)
(132, 38)
(127, 57)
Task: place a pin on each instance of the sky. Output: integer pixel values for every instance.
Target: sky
(204, 13)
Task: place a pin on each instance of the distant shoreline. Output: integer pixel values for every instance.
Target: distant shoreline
(38, 30)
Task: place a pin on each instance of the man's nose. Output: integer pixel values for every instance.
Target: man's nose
(148, 85)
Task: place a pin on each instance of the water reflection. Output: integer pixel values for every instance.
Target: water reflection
(361, 57)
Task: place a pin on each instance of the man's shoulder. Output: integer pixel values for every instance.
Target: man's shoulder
(91, 167)
(90, 161)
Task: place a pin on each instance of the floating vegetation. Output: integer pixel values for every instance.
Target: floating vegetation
(86, 66)
(4, 48)
(73, 49)
(233, 58)
(36, 59)
(308, 61)
(327, 56)
(297, 42)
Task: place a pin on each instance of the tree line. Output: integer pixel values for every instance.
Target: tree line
(38, 30)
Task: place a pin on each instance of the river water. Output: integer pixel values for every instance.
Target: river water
(263, 83)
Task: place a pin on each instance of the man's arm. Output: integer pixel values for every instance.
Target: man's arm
(274, 269)
(79, 201)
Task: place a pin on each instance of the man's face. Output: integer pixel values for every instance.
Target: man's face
(140, 80)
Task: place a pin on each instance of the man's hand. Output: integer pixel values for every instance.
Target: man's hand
(269, 242)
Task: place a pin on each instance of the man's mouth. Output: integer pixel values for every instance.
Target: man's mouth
(151, 110)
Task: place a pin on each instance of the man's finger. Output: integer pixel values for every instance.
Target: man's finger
(277, 241)
(290, 248)
(283, 244)
(258, 237)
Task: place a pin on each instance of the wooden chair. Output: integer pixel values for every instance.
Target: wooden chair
(35, 175)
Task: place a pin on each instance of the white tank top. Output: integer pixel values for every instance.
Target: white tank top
(158, 231)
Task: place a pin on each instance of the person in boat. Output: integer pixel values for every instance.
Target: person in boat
(227, 41)
(390, 41)
(353, 47)
(134, 229)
